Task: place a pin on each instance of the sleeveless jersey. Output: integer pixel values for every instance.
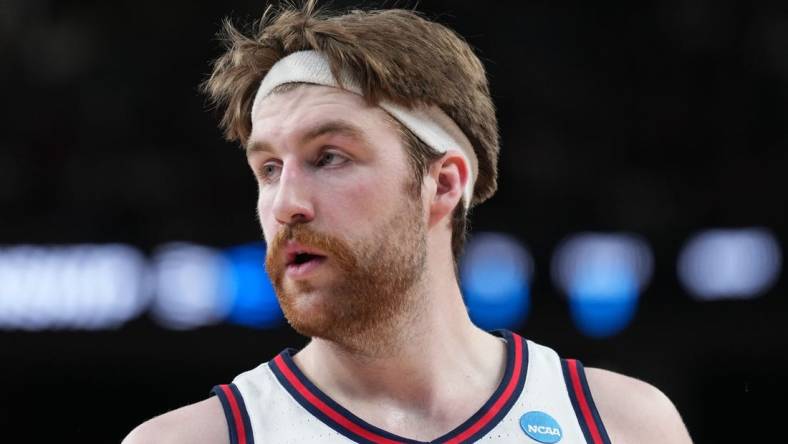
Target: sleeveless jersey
(541, 399)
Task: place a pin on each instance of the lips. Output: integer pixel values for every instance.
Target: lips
(296, 254)
(300, 259)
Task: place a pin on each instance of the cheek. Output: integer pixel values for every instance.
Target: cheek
(265, 216)
(366, 198)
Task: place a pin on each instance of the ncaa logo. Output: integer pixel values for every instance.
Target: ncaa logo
(541, 427)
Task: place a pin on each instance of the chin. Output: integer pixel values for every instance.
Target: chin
(303, 304)
(310, 321)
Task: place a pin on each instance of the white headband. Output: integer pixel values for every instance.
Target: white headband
(430, 124)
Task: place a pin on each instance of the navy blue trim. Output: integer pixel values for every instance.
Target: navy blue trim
(589, 399)
(287, 358)
(244, 413)
(510, 355)
(228, 413)
(581, 371)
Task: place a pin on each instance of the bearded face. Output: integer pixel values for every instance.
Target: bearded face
(369, 282)
(345, 222)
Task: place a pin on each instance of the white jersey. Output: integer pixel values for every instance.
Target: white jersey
(541, 399)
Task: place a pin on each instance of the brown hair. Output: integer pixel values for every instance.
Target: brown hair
(395, 55)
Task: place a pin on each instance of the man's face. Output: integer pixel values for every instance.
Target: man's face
(346, 235)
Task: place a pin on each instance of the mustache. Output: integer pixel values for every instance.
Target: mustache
(338, 250)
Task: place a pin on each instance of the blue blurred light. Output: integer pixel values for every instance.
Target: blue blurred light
(602, 275)
(495, 274)
(85, 287)
(730, 263)
(254, 302)
(603, 300)
(190, 286)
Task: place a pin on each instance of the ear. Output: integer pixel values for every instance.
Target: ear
(450, 174)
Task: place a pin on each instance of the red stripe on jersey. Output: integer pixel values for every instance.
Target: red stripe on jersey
(326, 409)
(239, 424)
(499, 403)
(581, 400)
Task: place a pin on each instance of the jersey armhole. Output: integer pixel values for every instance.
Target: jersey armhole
(238, 423)
(583, 403)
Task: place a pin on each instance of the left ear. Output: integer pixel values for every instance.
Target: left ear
(450, 174)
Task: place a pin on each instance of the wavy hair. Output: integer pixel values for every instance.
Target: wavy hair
(395, 55)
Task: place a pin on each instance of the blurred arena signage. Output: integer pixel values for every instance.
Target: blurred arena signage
(71, 287)
(185, 285)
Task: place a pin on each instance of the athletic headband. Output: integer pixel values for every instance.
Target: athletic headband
(429, 123)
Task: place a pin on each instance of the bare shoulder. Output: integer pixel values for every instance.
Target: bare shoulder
(634, 411)
(199, 423)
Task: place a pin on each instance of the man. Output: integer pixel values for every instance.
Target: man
(370, 135)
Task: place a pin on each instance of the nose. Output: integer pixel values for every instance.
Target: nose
(293, 201)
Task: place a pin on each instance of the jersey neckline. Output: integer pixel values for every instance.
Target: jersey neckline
(343, 421)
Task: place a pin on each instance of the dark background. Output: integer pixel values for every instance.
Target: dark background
(660, 118)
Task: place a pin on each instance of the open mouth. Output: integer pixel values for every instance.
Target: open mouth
(303, 258)
(301, 262)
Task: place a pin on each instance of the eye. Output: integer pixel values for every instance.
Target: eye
(270, 172)
(330, 158)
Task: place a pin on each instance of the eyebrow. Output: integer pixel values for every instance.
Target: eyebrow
(342, 127)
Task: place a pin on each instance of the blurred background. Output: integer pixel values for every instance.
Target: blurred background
(640, 223)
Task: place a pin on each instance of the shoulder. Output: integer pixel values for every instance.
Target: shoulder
(199, 423)
(634, 411)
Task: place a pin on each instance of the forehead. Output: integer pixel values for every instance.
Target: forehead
(295, 110)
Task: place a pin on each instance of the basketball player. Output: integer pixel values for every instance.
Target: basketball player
(370, 135)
